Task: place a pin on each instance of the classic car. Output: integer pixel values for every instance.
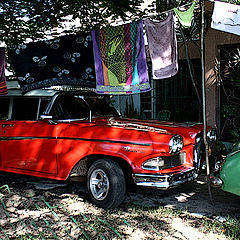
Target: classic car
(64, 135)
(228, 176)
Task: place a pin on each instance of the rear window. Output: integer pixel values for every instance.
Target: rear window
(25, 108)
(4, 108)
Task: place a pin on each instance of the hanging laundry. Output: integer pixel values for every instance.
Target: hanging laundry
(226, 17)
(3, 84)
(120, 60)
(185, 17)
(64, 61)
(163, 47)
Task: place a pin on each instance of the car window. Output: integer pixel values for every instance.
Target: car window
(4, 108)
(43, 105)
(69, 107)
(100, 106)
(25, 108)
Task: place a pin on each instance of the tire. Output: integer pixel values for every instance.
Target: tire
(106, 184)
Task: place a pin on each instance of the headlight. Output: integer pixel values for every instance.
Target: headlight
(153, 164)
(175, 144)
(212, 135)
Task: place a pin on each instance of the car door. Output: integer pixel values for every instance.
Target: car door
(4, 112)
(28, 144)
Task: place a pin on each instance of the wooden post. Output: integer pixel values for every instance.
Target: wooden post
(204, 98)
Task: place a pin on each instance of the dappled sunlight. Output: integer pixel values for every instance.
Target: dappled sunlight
(183, 197)
(65, 213)
(186, 231)
(191, 197)
(211, 78)
(34, 153)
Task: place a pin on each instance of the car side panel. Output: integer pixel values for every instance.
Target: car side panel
(53, 150)
(28, 146)
(78, 140)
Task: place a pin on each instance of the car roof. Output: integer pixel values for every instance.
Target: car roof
(14, 91)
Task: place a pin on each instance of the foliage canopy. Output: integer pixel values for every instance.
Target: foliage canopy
(35, 19)
(21, 19)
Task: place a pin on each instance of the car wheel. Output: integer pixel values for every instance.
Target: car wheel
(106, 183)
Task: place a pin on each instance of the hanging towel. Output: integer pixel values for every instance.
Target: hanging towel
(3, 84)
(185, 17)
(64, 61)
(163, 47)
(120, 60)
(226, 17)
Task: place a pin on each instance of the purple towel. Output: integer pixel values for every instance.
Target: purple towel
(3, 84)
(163, 47)
(120, 60)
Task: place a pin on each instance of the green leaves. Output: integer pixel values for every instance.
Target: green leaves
(22, 19)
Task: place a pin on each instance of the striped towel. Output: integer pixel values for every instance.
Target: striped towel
(3, 84)
(120, 60)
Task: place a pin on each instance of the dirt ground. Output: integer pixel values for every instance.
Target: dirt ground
(192, 197)
(28, 204)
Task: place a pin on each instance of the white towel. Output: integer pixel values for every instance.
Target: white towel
(226, 17)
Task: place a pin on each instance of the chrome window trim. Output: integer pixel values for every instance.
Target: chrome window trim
(38, 109)
(10, 108)
(50, 104)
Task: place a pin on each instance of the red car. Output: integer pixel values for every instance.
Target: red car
(61, 135)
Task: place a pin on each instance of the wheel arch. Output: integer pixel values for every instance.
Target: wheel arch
(80, 169)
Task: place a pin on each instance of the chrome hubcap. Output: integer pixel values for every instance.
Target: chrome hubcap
(99, 184)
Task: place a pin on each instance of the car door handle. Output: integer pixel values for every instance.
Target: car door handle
(7, 125)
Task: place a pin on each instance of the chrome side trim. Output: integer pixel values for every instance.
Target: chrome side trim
(74, 138)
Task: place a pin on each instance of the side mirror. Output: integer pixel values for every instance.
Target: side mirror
(45, 117)
(48, 118)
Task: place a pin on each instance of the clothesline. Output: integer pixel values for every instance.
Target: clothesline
(170, 10)
(119, 57)
(155, 14)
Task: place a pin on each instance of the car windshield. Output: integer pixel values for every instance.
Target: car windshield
(76, 107)
(101, 106)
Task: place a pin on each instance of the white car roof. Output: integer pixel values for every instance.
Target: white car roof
(14, 90)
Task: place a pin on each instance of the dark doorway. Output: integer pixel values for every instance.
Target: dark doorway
(178, 96)
(229, 92)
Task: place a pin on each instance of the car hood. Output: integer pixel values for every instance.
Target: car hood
(186, 130)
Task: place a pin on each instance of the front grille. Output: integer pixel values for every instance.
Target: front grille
(173, 161)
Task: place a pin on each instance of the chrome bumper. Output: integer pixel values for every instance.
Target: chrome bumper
(216, 181)
(165, 181)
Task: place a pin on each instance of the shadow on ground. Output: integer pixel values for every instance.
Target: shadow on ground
(192, 197)
(36, 208)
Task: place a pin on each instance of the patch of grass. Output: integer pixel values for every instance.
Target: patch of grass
(233, 228)
(51, 215)
(230, 228)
